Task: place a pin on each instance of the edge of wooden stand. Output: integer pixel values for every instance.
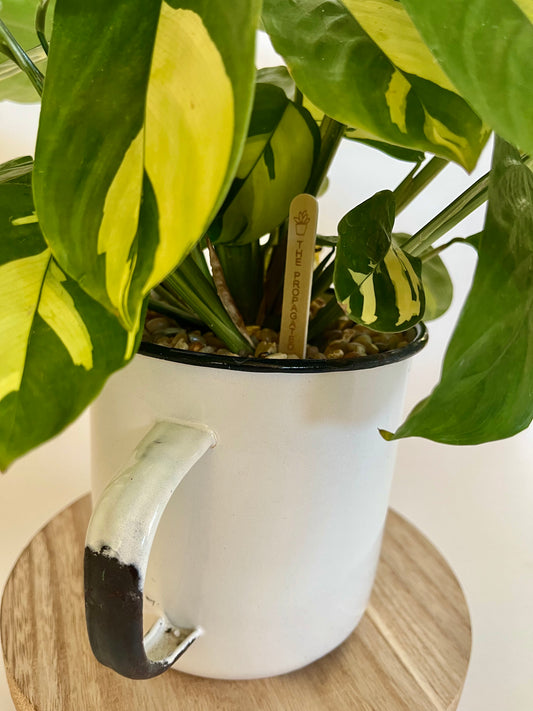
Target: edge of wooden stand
(409, 653)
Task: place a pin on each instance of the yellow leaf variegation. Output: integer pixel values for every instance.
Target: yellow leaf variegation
(171, 133)
(365, 64)
(186, 197)
(486, 49)
(23, 277)
(391, 28)
(275, 166)
(119, 227)
(57, 308)
(187, 78)
(57, 345)
(38, 283)
(376, 282)
(396, 97)
(527, 8)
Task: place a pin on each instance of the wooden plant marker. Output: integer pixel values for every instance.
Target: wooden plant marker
(303, 217)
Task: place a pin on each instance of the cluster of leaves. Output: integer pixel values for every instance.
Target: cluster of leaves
(144, 166)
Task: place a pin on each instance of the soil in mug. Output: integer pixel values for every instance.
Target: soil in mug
(344, 340)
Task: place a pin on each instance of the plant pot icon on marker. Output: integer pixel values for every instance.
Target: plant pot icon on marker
(301, 221)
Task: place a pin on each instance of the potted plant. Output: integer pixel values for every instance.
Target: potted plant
(143, 165)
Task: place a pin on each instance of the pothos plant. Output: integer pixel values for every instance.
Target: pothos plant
(158, 139)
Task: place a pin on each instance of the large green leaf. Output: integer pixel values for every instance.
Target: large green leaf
(279, 76)
(283, 141)
(144, 114)
(376, 283)
(486, 48)
(57, 345)
(394, 91)
(486, 387)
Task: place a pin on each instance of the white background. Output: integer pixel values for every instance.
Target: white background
(474, 503)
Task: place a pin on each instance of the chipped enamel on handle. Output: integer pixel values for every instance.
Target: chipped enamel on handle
(118, 544)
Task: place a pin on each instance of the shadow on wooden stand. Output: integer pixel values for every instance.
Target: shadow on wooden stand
(409, 653)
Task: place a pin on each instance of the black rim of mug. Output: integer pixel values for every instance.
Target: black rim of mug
(278, 365)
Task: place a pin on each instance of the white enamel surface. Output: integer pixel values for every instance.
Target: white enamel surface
(270, 544)
(126, 517)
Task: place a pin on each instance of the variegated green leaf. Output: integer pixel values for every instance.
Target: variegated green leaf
(486, 48)
(410, 155)
(275, 166)
(129, 173)
(279, 76)
(376, 282)
(57, 345)
(378, 76)
(486, 385)
(437, 283)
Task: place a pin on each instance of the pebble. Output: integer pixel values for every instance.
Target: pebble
(345, 340)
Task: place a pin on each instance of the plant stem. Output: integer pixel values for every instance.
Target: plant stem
(416, 181)
(324, 318)
(190, 284)
(273, 286)
(433, 252)
(331, 133)
(167, 309)
(198, 256)
(12, 69)
(460, 208)
(323, 275)
(40, 23)
(243, 268)
(224, 294)
(20, 58)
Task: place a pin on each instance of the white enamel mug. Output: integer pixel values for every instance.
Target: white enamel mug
(249, 518)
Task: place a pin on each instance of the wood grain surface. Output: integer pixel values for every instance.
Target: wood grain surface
(409, 653)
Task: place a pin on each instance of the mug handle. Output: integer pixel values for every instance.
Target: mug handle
(119, 539)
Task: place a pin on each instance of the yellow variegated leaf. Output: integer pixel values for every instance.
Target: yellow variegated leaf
(203, 142)
(187, 79)
(119, 226)
(364, 63)
(486, 49)
(149, 150)
(57, 308)
(24, 278)
(57, 345)
(527, 8)
(37, 282)
(391, 28)
(376, 282)
(275, 166)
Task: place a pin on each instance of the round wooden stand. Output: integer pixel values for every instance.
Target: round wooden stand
(410, 652)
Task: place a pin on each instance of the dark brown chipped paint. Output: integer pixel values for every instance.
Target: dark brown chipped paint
(114, 600)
